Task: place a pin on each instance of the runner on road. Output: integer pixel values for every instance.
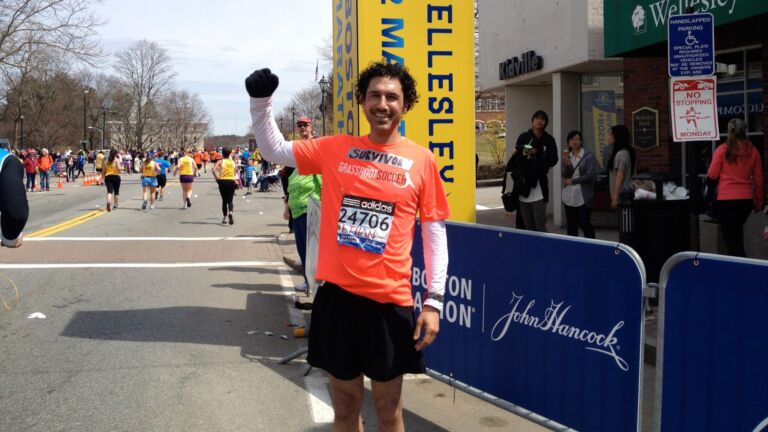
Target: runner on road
(111, 179)
(98, 164)
(149, 173)
(162, 178)
(198, 157)
(14, 208)
(224, 173)
(187, 172)
(373, 188)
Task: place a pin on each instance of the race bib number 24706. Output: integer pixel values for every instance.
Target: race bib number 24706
(365, 223)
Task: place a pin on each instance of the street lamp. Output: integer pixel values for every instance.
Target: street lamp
(293, 122)
(21, 132)
(324, 84)
(102, 135)
(85, 121)
(104, 125)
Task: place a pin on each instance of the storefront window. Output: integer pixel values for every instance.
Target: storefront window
(739, 95)
(602, 106)
(740, 89)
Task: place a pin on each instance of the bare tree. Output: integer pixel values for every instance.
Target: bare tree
(146, 74)
(307, 103)
(186, 119)
(65, 26)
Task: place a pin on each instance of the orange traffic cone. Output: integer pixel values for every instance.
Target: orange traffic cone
(61, 185)
(37, 187)
(88, 181)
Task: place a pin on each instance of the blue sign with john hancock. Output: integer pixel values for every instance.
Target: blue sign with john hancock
(691, 45)
(548, 323)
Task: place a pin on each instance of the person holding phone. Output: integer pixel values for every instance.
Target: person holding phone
(535, 153)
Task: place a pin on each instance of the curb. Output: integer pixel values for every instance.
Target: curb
(488, 182)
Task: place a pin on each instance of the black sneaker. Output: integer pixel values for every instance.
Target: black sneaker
(231, 220)
(189, 203)
(144, 205)
(109, 207)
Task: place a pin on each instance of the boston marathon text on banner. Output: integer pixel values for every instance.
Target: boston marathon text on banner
(435, 41)
(563, 342)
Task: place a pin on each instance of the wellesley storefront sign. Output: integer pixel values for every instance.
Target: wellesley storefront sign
(634, 24)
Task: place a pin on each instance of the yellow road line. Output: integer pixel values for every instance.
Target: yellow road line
(68, 224)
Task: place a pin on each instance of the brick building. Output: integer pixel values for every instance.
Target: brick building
(637, 32)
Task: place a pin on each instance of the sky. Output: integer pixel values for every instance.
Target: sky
(215, 45)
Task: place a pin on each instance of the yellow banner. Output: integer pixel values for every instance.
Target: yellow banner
(346, 112)
(435, 41)
(602, 122)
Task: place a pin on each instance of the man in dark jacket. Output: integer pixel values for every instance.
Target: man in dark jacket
(534, 154)
(14, 209)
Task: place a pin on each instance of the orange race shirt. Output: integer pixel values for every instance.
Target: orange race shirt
(374, 192)
(198, 158)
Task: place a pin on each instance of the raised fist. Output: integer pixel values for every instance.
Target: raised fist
(262, 83)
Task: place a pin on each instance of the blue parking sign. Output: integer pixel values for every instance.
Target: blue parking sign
(691, 45)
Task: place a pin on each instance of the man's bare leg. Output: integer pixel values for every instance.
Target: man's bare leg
(347, 398)
(389, 404)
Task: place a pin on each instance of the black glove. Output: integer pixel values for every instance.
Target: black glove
(262, 83)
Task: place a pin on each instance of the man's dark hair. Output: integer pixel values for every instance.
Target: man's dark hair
(391, 70)
(541, 114)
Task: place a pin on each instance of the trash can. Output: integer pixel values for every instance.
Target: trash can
(655, 228)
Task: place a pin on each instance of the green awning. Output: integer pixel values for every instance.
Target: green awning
(634, 24)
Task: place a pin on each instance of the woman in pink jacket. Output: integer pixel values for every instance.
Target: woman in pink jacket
(736, 163)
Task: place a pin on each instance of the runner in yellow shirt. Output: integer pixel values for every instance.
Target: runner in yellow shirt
(224, 173)
(149, 173)
(111, 178)
(187, 170)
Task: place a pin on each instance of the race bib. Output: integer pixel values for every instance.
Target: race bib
(365, 223)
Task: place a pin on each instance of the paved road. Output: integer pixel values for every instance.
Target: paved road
(147, 321)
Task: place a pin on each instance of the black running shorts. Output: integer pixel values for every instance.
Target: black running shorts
(112, 182)
(350, 335)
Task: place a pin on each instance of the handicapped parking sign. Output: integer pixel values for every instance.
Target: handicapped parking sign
(691, 45)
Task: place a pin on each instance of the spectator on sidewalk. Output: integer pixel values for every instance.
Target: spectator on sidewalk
(534, 154)
(621, 164)
(267, 178)
(300, 188)
(44, 165)
(737, 167)
(579, 171)
(14, 208)
(30, 168)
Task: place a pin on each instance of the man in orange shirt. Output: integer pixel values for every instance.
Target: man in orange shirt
(373, 188)
(198, 157)
(206, 158)
(44, 167)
